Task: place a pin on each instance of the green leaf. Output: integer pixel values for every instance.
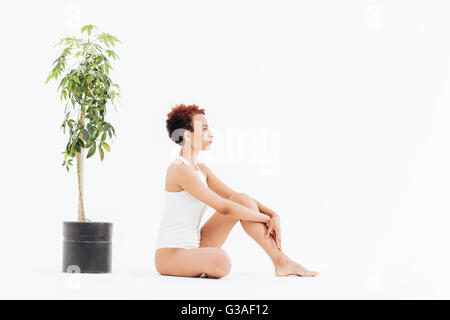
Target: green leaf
(88, 28)
(102, 154)
(72, 150)
(64, 81)
(106, 146)
(112, 54)
(86, 135)
(91, 151)
(75, 78)
(92, 133)
(104, 135)
(89, 144)
(49, 77)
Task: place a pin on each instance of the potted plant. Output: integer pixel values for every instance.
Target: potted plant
(83, 67)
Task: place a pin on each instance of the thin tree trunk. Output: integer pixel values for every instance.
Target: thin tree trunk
(80, 170)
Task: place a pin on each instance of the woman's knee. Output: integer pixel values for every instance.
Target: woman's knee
(243, 199)
(220, 264)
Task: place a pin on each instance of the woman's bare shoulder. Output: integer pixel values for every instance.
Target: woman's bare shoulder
(172, 184)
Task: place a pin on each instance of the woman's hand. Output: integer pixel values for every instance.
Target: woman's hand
(273, 227)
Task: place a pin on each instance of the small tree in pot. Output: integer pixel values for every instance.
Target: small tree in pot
(87, 89)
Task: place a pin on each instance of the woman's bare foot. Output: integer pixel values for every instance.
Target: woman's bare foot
(288, 267)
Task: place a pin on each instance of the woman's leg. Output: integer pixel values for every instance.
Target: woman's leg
(284, 266)
(215, 231)
(214, 262)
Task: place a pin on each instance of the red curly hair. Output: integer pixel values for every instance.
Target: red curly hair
(179, 119)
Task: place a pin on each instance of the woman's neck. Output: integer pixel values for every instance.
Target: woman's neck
(192, 159)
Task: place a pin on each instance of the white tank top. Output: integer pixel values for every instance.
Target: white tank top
(181, 217)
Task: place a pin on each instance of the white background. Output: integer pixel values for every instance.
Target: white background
(349, 102)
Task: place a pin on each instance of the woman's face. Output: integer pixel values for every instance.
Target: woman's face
(202, 134)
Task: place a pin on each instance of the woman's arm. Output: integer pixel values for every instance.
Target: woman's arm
(215, 184)
(240, 212)
(265, 210)
(190, 181)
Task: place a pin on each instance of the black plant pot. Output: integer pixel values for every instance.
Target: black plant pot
(87, 247)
